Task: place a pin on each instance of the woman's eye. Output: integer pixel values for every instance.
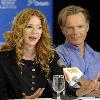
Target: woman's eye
(40, 27)
(29, 26)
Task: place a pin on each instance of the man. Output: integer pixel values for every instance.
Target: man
(75, 52)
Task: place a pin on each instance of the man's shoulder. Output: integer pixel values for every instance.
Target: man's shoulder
(97, 54)
(61, 47)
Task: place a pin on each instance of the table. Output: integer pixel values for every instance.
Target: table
(87, 98)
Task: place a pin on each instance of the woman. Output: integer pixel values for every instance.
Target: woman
(27, 59)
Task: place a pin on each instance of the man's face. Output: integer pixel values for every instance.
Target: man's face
(75, 29)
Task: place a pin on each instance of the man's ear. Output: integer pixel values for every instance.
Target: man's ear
(87, 27)
(62, 29)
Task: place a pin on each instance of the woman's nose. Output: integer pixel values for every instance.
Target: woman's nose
(33, 31)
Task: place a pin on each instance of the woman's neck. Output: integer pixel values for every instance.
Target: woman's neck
(29, 53)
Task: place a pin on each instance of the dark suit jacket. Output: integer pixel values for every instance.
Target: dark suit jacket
(11, 83)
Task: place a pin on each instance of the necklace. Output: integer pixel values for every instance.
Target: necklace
(22, 65)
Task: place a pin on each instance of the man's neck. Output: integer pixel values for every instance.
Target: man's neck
(82, 49)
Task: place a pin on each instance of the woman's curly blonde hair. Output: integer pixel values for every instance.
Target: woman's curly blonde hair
(14, 39)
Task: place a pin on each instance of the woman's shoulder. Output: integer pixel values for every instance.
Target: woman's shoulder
(6, 53)
(55, 57)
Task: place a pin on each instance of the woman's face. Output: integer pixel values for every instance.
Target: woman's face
(33, 31)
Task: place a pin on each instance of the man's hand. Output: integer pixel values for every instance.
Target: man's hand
(37, 94)
(96, 91)
(89, 87)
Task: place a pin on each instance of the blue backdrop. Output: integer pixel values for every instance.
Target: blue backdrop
(10, 8)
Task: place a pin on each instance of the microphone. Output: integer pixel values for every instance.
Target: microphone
(73, 74)
(61, 63)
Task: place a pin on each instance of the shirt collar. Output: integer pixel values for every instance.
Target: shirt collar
(69, 45)
(87, 47)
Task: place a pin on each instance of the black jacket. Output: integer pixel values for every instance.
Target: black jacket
(11, 82)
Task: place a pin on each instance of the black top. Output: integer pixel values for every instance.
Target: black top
(13, 83)
(31, 76)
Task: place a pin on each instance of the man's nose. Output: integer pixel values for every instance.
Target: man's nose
(75, 30)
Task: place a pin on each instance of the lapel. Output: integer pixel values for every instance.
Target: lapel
(13, 72)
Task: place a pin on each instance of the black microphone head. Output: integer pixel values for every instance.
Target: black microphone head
(61, 63)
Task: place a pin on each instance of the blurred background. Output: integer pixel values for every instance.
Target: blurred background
(10, 8)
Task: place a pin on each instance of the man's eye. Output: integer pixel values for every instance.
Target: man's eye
(69, 28)
(80, 26)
